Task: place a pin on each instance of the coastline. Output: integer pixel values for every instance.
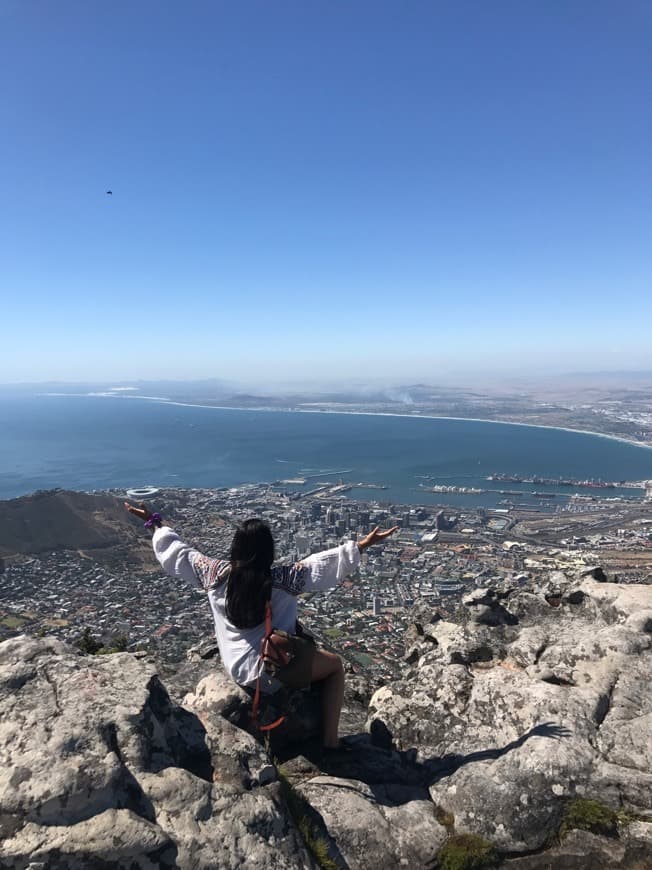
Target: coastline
(295, 410)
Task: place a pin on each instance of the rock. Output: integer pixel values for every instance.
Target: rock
(597, 573)
(372, 764)
(218, 698)
(205, 649)
(224, 708)
(463, 644)
(224, 827)
(115, 836)
(638, 840)
(181, 678)
(98, 765)
(579, 851)
(417, 643)
(528, 603)
(487, 609)
(414, 632)
(538, 696)
(424, 614)
(218, 694)
(510, 722)
(373, 826)
(415, 651)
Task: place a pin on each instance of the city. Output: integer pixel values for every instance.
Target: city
(437, 556)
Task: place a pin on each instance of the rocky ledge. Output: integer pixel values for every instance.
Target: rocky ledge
(519, 737)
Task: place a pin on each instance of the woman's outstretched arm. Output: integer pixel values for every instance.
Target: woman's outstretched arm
(328, 568)
(177, 558)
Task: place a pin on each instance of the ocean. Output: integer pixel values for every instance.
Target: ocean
(89, 443)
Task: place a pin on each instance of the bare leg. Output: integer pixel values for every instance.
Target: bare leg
(327, 668)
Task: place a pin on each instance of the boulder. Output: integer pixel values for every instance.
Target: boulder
(538, 696)
(204, 649)
(374, 826)
(582, 850)
(99, 768)
(486, 608)
(217, 696)
(510, 722)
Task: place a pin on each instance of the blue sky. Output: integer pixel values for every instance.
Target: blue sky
(396, 190)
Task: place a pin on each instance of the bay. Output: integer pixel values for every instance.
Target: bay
(91, 442)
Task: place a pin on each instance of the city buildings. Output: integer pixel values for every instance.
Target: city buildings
(437, 555)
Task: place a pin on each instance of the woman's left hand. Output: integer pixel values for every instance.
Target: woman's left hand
(375, 536)
(142, 512)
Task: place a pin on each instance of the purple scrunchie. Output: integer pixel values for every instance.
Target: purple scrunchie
(154, 520)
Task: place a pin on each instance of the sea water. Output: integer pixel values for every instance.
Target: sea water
(91, 442)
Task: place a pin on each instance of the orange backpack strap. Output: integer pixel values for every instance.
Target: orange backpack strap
(256, 702)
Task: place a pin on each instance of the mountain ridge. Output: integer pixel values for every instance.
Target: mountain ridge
(59, 519)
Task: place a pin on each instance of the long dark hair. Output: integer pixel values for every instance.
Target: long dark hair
(249, 585)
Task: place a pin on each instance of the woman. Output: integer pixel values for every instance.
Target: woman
(238, 590)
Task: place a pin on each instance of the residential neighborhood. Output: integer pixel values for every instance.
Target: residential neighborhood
(437, 555)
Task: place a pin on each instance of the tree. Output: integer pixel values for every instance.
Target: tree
(87, 643)
(119, 643)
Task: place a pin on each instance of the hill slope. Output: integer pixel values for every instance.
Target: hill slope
(61, 520)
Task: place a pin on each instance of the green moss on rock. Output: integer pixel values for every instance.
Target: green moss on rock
(445, 818)
(589, 815)
(466, 852)
(299, 809)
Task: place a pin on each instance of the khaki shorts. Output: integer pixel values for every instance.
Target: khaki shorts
(297, 673)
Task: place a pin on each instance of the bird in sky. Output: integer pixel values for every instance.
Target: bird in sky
(109, 193)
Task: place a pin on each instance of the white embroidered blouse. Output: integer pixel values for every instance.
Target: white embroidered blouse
(239, 648)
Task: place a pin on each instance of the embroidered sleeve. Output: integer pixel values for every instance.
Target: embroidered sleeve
(209, 572)
(326, 569)
(291, 578)
(318, 572)
(181, 560)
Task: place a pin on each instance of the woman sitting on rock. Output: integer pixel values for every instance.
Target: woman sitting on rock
(238, 591)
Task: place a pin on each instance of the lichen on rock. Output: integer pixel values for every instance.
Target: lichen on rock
(98, 765)
(518, 735)
(561, 711)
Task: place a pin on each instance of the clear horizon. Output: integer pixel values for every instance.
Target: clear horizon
(327, 193)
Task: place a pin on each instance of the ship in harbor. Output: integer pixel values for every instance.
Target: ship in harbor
(465, 490)
(554, 481)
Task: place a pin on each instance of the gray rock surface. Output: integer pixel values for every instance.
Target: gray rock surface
(528, 704)
(372, 826)
(99, 768)
(539, 695)
(582, 850)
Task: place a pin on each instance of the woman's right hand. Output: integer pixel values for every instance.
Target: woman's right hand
(375, 536)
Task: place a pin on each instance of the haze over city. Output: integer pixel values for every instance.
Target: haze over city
(268, 193)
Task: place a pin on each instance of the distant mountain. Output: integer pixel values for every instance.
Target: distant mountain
(191, 389)
(61, 520)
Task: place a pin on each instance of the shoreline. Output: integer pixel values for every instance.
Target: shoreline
(165, 401)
